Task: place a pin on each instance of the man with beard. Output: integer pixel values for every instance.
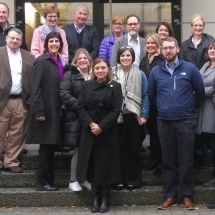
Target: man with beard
(177, 88)
(130, 39)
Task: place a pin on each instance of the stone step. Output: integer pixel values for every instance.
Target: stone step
(30, 160)
(148, 195)
(62, 177)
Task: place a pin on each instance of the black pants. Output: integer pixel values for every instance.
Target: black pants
(199, 150)
(45, 173)
(129, 139)
(177, 145)
(155, 147)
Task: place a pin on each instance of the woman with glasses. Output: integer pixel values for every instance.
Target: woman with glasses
(70, 89)
(134, 112)
(118, 25)
(51, 14)
(194, 51)
(164, 30)
(152, 58)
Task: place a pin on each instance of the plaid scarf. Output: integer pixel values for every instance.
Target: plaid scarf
(131, 89)
(45, 30)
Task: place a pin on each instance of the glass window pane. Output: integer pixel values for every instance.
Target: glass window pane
(150, 14)
(34, 15)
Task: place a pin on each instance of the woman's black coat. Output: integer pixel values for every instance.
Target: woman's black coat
(99, 103)
(188, 51)
(45, 101)
(70, 89)
(146, 67)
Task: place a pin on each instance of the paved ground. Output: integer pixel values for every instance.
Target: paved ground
(124, 210)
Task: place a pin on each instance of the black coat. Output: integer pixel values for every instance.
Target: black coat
(146, 67)
(100, 103)
(91, 41)
(70, 88)
(45, 101)
(188, 51)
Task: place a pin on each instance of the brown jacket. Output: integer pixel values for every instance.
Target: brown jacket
(6, 79)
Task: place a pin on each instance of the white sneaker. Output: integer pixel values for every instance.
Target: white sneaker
(86, 184)
(75, 186)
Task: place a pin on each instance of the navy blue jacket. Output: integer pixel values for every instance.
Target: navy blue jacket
(178, 94)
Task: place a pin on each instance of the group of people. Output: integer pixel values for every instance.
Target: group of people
(96, 98)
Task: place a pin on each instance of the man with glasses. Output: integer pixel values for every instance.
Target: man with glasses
(132, 39)
(5, 25)
(15, 69)
(176, 87)
(80, 35)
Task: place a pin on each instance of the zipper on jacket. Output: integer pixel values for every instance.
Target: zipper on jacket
(174, 82)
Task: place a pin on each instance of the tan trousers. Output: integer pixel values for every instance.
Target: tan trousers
(13, 120)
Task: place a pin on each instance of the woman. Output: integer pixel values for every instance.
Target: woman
(51, 14)
(70, 88)
(194, 51)
(134, 112)
(44, 122)
(206, 113)
(99, 106)
(152, 58)
(118, 25)
(164, 30)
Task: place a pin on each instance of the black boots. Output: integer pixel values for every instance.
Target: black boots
(96, 199)
(105, 190)
(100, 194)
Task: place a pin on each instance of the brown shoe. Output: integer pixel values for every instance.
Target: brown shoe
(168, 203)
(14, 169)
(187, 203)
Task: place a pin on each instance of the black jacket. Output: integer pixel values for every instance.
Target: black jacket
(45, 101)
(91, 41)
(100, 103)
(189, 53)
(3, 35)
(146, 67)
(70, 88)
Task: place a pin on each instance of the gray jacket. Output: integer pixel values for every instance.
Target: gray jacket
(123, 41)
(205, 115)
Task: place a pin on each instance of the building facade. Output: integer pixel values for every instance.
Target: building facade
(27, 15)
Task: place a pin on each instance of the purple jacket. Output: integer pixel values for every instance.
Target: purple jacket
(106, 46)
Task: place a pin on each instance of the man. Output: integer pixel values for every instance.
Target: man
(177, 88)
(15, 68)
(5, 26)
(130, 39)
(80, 35)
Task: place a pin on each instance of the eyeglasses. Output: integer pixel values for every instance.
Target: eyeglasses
(168, 48)
(15, 38)
(134, 24)
(126, 47)
(119, 24)
(52, 17)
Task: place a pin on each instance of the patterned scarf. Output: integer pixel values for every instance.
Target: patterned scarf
(131, 89)
(45, 30)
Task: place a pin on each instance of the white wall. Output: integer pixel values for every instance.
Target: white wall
(204, 7)
(11, 6)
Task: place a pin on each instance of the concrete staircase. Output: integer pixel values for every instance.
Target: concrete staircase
(18, 189)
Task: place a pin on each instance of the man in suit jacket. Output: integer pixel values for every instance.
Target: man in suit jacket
(80, 35)
(15, 71)
(132, 39)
